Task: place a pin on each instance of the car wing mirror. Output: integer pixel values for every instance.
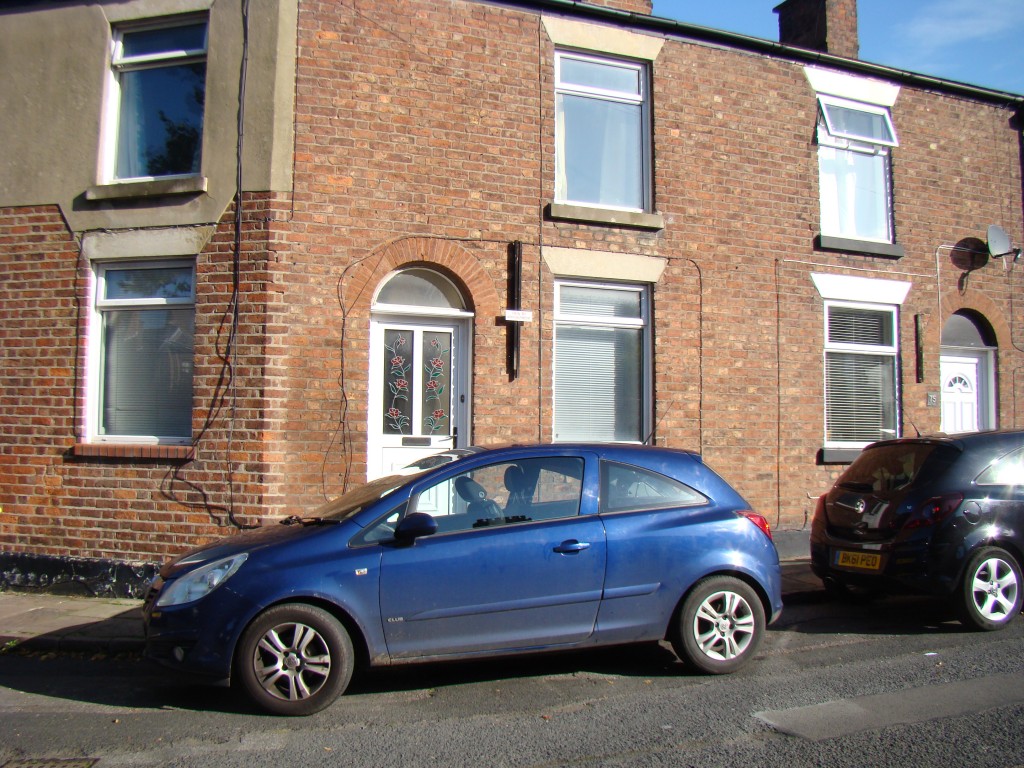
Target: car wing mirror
(414, 526)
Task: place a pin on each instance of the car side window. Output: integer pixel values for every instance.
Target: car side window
(380, 530)
(1007, 470)
(625, 488)
(505, 493)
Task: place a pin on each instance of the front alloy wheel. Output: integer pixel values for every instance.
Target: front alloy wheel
(294, 660)
(990, 593)
(720, 625)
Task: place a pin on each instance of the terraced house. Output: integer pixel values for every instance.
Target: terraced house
(255, 252)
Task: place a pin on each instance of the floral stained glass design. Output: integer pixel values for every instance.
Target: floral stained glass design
(417, 383)
(436, 397)
(397, 367)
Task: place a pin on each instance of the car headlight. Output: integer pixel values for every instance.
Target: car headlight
(202, 581)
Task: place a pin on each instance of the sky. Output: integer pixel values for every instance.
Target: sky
(980, 42)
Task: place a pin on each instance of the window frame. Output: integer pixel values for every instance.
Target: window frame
(96, 361)
(825, 101)
(120, 64)
(641, 100)
(867, 350)
(830, 137)
(643, 323)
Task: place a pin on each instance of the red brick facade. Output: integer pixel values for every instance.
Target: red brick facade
(424, 134)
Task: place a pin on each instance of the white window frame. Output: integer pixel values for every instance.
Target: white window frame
(640, 100)
(642, 323)
(868, 350)
(826, 102)
(95, 358)
(832, 139)
(120, 64)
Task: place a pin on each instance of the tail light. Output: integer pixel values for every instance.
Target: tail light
(819, 508)
(934, 510)
(759, 520)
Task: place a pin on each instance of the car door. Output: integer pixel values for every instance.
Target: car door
(508, 568)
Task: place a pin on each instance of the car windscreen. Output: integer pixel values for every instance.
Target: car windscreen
(348, 504)
(886, 468)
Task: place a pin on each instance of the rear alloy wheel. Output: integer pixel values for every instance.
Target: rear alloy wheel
(720, 625)
(990, 593)
(294, 660)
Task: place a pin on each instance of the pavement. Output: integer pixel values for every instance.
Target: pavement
(38, 621)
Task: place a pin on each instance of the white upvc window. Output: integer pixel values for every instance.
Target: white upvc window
(141, 352)
(854, 164)
(602, 368)
(602, 132)
(861, 373)
(154, 121)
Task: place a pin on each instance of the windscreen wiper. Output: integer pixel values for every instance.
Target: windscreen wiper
(296, 520)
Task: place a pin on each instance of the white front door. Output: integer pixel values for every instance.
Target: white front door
(418, 381)
(962, 394)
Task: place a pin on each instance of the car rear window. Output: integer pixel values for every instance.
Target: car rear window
(1006, 470)
(886, 468)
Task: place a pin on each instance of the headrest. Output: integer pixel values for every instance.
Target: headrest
(469, 489)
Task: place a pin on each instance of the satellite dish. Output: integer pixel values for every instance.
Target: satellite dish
(998, 242)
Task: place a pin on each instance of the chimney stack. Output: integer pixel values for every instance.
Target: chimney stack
(829, 26)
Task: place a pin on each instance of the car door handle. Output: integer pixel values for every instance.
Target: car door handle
(571, 547)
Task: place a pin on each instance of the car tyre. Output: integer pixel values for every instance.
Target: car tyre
(990, 592)
(719, 626)
(294, 660)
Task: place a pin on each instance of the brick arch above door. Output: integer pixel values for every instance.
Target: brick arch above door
(452, 258)
(978, 305)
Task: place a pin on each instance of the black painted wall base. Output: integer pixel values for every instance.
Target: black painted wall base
(22, 572)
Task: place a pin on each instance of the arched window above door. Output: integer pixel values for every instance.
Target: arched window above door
(418, 289)
(965, 330)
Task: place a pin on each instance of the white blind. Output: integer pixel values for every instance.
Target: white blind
(860, 386)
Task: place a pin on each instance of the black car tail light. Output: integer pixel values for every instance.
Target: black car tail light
(819, 507)
(934, 510)
(759, 520)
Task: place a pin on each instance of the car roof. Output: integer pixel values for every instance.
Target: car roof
(607, 450)
(963, 441)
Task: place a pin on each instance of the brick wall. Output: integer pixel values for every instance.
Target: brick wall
(123, 504)
(408, 150)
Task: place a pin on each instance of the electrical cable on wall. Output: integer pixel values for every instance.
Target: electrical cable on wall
(226, 386)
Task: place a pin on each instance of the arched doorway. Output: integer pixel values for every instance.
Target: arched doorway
(419, 370)
(967, 372)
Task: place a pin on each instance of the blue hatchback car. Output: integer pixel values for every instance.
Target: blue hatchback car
(504, 551)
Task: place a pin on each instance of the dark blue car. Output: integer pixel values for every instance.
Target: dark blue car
(940, 515)
(510, 550)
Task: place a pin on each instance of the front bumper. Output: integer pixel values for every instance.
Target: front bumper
(197, 638)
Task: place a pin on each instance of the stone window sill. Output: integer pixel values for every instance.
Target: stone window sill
(583, 213)
(838, 455)
(865, 247)
(123, 190)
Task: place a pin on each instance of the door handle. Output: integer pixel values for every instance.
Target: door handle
(571, 547)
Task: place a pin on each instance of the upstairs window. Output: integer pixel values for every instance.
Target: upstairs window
(158, 100)
(602, 132)
(855, 178)
(142, 351)
(861, 398)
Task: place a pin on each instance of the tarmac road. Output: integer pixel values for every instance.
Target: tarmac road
(887, 683)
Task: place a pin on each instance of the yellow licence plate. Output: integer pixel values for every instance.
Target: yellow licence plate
(867, 561)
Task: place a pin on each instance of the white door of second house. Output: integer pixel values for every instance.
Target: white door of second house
(961, 394)
(417, 391)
